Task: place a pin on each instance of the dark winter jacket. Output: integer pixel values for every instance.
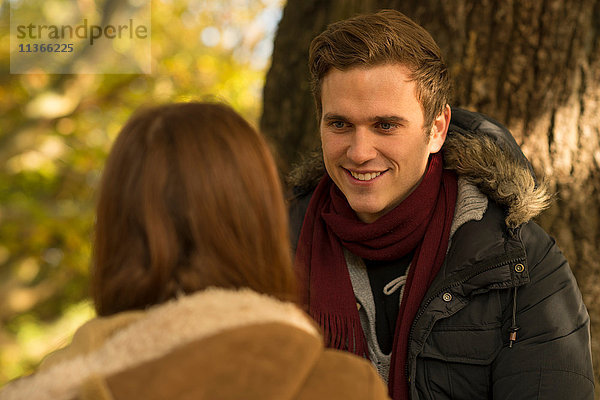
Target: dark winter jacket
(502, 275)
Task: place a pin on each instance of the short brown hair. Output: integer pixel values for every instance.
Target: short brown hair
(190, 198)
(385, 37)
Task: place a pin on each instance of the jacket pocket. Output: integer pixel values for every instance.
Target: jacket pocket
(456, 363)
(470, 346)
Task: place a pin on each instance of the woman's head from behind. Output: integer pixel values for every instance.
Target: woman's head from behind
(190, 198)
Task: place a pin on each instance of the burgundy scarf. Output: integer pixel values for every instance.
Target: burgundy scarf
(420, 223)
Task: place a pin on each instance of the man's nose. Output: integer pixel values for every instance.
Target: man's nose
(362, 146)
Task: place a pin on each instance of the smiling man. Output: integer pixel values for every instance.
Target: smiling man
(413, 232)
(374, 142)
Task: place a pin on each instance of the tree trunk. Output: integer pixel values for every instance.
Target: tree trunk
(289, 117)
(533, 65)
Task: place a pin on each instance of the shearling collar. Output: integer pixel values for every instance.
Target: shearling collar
(486, 156)
(158, 331)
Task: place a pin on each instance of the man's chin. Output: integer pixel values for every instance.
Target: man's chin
(367, 214)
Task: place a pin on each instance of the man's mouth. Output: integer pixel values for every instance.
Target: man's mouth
(364, 177)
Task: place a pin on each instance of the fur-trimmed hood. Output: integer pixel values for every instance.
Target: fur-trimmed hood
(480, 150)
(148, 335)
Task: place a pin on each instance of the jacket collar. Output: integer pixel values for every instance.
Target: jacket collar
(482, 255)
(155, 333)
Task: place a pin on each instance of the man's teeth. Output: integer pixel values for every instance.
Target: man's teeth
(365, 177)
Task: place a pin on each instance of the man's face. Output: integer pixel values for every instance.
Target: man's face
(375, 146)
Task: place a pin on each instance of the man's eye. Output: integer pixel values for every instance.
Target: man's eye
(386, 126)
(338, 124)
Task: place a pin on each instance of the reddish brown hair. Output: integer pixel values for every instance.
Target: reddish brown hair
(190, 198)
(375, 39)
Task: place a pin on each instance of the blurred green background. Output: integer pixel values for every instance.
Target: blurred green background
(55, 132)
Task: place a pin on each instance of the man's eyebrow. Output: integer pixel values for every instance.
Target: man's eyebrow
(391, 118)
(334, 117)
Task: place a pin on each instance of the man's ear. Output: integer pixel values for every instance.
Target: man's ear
(439, 129)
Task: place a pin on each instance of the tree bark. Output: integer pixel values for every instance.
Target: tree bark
(533, 65)
(289, 117)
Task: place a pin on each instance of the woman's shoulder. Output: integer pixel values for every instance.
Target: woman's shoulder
(91, 336)
(342, 375)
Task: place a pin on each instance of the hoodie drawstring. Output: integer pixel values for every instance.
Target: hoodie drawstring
(514, 328)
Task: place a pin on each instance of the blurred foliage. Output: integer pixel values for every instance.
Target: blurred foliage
(55, 132)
